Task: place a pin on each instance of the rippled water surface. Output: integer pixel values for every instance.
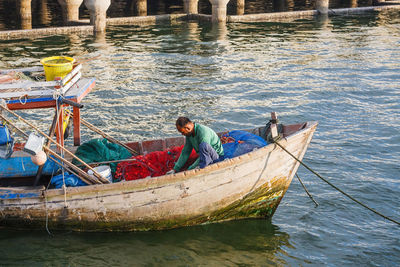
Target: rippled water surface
(342, 72)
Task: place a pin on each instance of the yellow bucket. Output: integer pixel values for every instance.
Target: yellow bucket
(57, 66)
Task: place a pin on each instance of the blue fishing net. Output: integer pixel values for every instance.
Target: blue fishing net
(241, 142)
(71, 180)
(6, 142)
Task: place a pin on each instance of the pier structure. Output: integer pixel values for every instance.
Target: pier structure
(44, 14)
(218, 10)
(70, 9)
(98, 9)
(191, 6)
(25, 13)
(141, 7)
(240, 7)
(322, 6)
(98, 14)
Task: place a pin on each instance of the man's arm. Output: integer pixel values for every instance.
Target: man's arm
(195, 164)
(187, 149)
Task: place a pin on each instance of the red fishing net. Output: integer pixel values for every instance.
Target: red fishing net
(152, 164)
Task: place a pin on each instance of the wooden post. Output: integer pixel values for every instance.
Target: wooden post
(59, 127)
(60, 119)
(76, 115)
(46, 145)
(274, 129)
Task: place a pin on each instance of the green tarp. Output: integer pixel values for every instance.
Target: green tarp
(98, 150)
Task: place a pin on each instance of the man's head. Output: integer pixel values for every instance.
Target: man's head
(185, 126)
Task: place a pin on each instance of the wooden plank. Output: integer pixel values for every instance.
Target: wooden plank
(71, 74)
(50, 103)
(26, 93)
(71, 83)
(75, 93)
(30, 69)
(27, 85)
(82, 90)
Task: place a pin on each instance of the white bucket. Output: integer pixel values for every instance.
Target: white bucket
(103, 170)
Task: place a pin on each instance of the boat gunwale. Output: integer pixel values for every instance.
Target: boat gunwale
(155, 182)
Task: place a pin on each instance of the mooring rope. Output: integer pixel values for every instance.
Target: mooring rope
(47, 216)
(305, 189)
(335, 187)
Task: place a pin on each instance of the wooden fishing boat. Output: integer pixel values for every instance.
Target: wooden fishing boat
(248, 186)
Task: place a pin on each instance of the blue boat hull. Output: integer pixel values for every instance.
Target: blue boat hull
(24, 167)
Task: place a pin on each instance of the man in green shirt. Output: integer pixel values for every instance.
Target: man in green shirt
(204, 141)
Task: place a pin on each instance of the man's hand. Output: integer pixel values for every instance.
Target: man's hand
(170, 172)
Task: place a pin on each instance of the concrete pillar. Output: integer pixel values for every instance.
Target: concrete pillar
(98, 13)
(25, 13)
(100, 40)
(45, 15)
(322, 6)
(191, 6)
(239, 7)
(141, 7)
(219, 10)
(70, 9)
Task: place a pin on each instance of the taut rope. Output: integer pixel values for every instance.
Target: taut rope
(335, 187)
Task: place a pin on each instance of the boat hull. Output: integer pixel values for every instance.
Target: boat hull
(21, 165)
(249, 186)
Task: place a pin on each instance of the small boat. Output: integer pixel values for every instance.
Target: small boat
(249, 186)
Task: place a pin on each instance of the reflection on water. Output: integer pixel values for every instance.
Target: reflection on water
(253, 242)
(25, 14)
